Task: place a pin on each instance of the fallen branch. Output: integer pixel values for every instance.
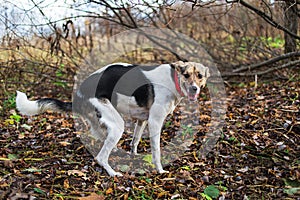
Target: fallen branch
(267, 62)
(289, 64)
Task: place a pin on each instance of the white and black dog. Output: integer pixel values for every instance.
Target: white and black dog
(146, 94)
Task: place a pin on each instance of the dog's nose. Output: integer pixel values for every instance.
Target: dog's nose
(195, 88)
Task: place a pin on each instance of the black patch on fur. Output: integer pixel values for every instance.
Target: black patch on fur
(126, 80)
(173, 71)
(60, 105)
(98, 113)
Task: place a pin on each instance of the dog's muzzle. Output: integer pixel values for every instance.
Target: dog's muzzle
(193, 92)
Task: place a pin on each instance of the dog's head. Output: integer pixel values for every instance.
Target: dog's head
(193, 77)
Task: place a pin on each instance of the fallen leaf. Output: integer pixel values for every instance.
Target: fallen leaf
(64, 143)
(76, 172)
(92, 196)
(66, 184)
(243, 170)
(109, 191)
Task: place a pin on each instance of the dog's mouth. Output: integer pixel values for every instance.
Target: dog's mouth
(193, 97)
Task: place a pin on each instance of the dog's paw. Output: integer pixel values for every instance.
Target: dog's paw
(163, 171)
(114, 173)
(115, 149)
(118, 174)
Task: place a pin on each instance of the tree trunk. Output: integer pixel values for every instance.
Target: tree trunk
(291, 23)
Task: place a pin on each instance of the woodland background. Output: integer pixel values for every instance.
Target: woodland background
(255, 45)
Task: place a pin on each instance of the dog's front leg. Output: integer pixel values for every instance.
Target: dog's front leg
(156, 119)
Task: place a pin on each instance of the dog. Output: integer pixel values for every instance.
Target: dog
(146, 94)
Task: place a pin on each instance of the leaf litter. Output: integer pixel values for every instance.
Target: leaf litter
(256, 157)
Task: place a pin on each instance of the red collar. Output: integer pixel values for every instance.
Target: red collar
(177, 84)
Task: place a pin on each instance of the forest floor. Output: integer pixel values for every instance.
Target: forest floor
(256, 157)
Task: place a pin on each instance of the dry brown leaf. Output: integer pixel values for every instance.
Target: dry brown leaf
(76, 172)
(204, 117)
(93, 196)
(161, 194)
(64, 143)
(66, 184)
(109, 191)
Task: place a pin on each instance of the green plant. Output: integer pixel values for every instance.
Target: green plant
(210, 192)
(13, 119)
(291, 191)
(148, 159)
(12, 156)
(187, 130)
(40, 191)
(186, 167)
(168, 124)
(276, 42)
(59, 75)
(10, 102)
(232, 139)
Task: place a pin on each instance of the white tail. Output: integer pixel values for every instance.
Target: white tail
(25, 106)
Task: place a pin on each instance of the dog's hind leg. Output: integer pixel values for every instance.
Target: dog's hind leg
(115, 128)
(138, 131)
(97, 131)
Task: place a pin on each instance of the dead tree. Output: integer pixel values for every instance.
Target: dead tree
(291, 23)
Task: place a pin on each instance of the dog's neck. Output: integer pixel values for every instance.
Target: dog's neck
(177, 84)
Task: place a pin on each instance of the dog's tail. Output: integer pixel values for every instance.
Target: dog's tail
(27, 107)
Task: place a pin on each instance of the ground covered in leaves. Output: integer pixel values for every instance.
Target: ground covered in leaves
(256, 157)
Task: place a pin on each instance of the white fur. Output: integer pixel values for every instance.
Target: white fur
(110, 117)
(128, 107)
(25, 106)
(155, 76)
(115, 128)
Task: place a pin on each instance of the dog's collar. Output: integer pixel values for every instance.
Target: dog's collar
(177, 83)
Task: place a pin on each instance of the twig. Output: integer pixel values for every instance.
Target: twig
(292, 111)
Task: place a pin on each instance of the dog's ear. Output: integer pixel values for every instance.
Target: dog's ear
(204, 71)
(207, 74)
(179, 66)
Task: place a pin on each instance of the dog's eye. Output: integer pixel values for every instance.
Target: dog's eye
(186, 75)
(199, 75)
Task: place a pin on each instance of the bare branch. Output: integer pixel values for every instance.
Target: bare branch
(266, 17)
